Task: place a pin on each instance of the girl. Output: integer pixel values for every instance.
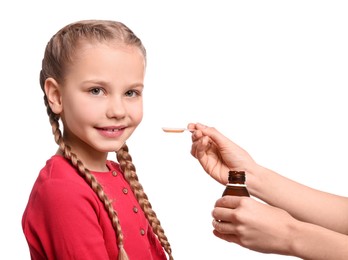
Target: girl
(82, 205)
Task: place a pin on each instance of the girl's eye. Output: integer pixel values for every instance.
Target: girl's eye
(96, 91)
(132, 93)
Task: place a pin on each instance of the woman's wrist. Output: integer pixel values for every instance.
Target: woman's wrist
(258, 180)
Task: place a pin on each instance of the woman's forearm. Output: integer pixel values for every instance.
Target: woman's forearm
(304, 203)
(314, 242)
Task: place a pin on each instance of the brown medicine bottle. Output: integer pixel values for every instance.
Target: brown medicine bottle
(236, 184)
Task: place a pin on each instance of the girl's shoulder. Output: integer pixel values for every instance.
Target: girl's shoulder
(58, 167)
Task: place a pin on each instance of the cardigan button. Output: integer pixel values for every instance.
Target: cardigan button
(135, 209)
(125, 190)
(142, 232)
(114, 173)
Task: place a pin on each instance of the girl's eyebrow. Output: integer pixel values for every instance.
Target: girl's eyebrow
(108, 83)
(96, 81)
(100, 81)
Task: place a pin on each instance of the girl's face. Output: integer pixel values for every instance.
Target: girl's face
(101, 99)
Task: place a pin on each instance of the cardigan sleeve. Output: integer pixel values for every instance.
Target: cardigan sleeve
(62, 222)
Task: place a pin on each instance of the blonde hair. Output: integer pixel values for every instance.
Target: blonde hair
(58, 54)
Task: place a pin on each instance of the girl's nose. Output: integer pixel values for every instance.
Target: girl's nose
(116, 108)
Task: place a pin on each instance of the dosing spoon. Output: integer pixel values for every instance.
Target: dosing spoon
(174, 129)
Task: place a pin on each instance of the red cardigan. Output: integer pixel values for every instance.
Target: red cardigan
(64, 218)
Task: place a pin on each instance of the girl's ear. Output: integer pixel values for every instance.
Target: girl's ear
(53, 94)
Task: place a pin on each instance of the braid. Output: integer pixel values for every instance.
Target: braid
(125, 161)
(89, 178)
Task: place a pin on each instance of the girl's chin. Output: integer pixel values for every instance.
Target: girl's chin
(114, 149)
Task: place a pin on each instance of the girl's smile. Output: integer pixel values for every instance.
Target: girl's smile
(111, 131)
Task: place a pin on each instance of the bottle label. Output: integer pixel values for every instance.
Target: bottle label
(236, 184)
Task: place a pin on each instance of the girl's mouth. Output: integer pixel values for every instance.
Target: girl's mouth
(110, 132)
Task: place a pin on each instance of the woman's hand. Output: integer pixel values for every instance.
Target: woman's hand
(216, 153)
(253, 224)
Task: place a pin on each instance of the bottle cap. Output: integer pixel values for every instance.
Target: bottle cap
(236, 176)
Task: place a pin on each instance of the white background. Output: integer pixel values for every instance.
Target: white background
(271, 75)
